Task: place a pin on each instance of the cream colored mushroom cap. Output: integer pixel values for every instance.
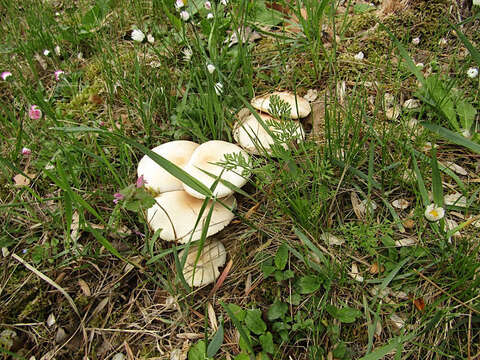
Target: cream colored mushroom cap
(206, 271)
(262, 103)
(204, 158)
(252, 136)
(176, 213)
(157, 178)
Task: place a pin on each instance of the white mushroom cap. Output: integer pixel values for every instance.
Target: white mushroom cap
(206, 271)
(157, 178)
(205, 157)
(176, 213)
(262, 103)
(252, 136)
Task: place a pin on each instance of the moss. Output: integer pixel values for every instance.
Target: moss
(35, 306)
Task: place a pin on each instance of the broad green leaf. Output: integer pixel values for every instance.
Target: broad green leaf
(281, 257)
(216, 342)
(243, 333)
(197, 351)
(277, 310)
(466, 113)
(309, 284)
(348, 315)
(254, 321)
(266, 340)
(237, 311)
(242, 356)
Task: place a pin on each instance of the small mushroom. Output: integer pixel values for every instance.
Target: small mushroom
(176, 213)
(205, 271)
(253, 137)
(158, 179)
(203, 166)
(299, 107)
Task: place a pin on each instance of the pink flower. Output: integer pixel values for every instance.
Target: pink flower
(59, 74)
(141, 181)
(5, 75)
(26, 151)
(208, 5)
(34, 113)
(118, 197)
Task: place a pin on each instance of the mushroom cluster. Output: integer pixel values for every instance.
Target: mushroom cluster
(177, 208)
(255, 138)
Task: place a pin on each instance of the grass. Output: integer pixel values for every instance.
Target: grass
(289, 292)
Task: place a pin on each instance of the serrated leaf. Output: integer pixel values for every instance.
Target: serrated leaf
(466, 113)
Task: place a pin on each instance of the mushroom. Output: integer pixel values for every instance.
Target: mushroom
(253, 137)
(299, 107)
(205, 271)
(203, 166)
(176, 213)
(157, 178)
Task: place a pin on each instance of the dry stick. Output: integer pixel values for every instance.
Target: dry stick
(446, 293)
(222, 278)
(59, 288)
(469, 336)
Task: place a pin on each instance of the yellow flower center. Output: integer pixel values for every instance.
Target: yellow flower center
(434, 213)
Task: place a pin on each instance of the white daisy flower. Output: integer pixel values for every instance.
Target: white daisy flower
(434, 212)
(224, 2)
(184, 15)
(219, 88)
(138, 35)
(211, 68)
(150, 38)
(46, 52)
(472, 72)
(179, 4)
(416, 41)
(209, 16)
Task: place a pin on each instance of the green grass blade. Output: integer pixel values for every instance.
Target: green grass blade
(420, 182)
(406, 57)
(452, 136)
(473, 51)
(437, 188)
